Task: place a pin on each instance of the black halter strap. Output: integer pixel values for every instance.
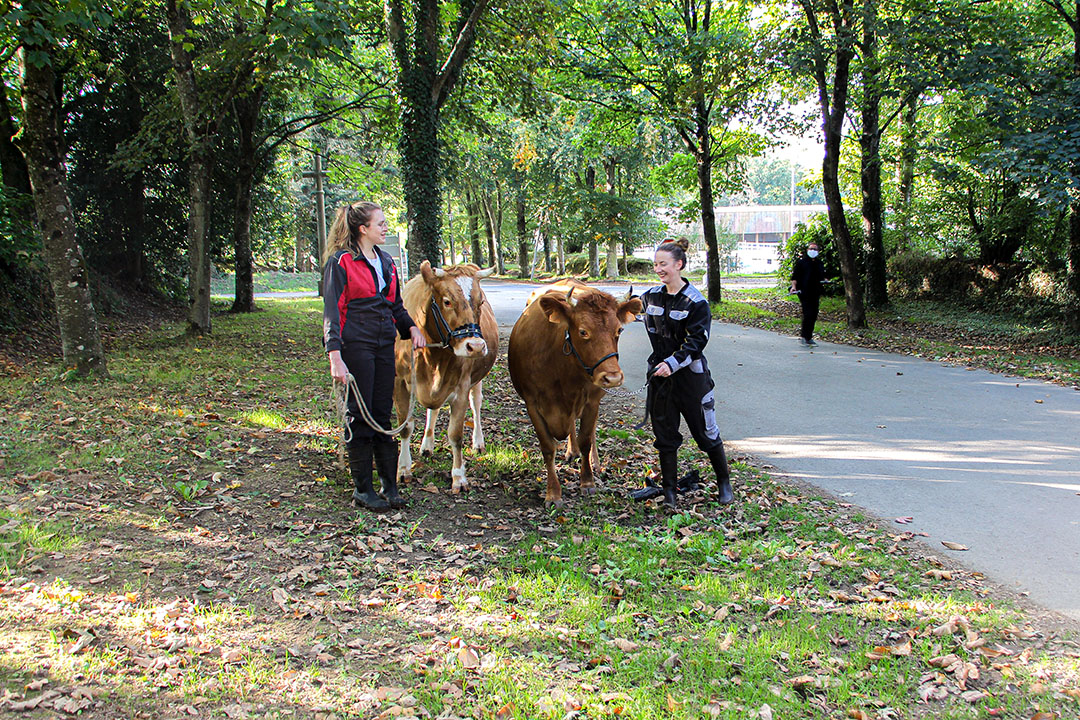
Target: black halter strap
(445, 333)
(569, 349)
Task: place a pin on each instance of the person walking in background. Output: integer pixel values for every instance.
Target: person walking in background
(362, 318)
(678, 320)
(806, 280)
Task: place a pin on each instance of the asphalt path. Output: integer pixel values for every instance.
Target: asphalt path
(987, 461)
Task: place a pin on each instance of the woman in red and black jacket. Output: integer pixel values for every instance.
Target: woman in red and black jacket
(362, 318)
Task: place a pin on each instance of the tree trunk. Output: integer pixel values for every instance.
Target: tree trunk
(79, 335)
(474, 229)
(198, 316)
(612, 244)
(545, 238)
(594, 260)
(489, 226)
(134, 224)
(708, 212)
(870, 163)
(909, 148)
(200, 140)
(500, 262)
(247, 117)
(1073, 312)
(522, 237)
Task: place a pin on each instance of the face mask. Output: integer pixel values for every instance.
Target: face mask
(812, 253)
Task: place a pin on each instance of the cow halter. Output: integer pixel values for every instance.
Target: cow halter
(568, 348)
(446, 335)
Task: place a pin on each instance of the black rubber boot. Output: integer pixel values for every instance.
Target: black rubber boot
(360, 455)
(386, 456)
(669, 477)
(725, 496)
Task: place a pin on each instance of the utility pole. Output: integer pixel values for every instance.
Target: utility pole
(320, 213)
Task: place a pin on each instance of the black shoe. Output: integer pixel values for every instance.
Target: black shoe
(360, 456)
(386, 455)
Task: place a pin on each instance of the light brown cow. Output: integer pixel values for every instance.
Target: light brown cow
(452, 310)
(563, 355)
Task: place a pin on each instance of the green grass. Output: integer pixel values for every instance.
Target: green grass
(268, 282)
(22, 539)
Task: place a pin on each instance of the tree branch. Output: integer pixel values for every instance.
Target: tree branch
(451, 69)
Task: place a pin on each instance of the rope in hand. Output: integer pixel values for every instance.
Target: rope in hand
(342, 390)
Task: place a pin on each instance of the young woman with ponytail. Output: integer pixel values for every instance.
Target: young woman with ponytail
(362, 318)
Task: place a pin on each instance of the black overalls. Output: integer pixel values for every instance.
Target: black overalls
(678, 327)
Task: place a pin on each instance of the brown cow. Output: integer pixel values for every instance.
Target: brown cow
(563, 355)
(452, 310)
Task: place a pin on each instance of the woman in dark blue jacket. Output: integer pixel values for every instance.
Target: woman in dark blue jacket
(362, 318)
(678, 320)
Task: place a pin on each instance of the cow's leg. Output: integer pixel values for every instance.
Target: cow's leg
(587, 442)
(401, 406)
(548, 444)
(459, 402)
(427, 445)
(572, 450)
(476, 401)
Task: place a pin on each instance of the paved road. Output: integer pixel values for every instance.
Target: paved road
(984, 460)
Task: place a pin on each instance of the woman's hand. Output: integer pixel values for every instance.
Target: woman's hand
(418, 339)
(338, 370)
(662, 370)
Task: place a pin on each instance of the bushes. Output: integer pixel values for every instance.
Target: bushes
(1017, 288)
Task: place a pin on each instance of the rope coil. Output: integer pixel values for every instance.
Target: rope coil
(341, 391)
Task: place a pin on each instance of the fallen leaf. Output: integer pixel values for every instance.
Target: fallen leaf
(953, 545)
(938, 574)
(468, 658)
(625, 645)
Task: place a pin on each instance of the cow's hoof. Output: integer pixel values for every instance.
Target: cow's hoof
(559, 503)
(588, 490)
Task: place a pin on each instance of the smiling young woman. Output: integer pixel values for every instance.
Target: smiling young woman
(678, 320)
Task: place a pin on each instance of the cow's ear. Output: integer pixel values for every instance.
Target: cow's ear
(427, 272)
(556, 309)
(629, 310)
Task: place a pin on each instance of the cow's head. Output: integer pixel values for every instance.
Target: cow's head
(452, 315)
(593, 322)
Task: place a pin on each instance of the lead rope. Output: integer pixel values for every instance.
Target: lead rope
(342, 390)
